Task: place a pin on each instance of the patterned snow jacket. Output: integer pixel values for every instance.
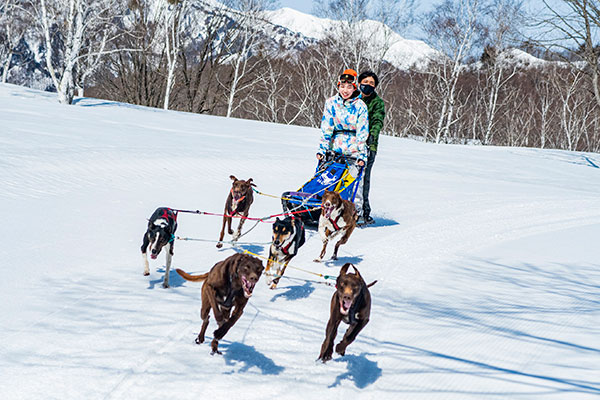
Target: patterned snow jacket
(345, 127)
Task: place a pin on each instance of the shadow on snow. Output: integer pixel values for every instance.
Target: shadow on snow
(239, 353)
(362, 371)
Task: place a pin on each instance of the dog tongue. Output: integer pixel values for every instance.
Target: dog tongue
(328, 211)
(248, 287)
(345, 306)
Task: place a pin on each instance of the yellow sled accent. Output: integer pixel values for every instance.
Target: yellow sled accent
(345, 181)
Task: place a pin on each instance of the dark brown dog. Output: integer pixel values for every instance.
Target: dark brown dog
(228, 284)
(238, 203)
(350, 303)
(338, 216)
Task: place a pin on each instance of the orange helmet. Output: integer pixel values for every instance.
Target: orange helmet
(348, 76)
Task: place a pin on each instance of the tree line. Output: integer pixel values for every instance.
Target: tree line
(477, 86)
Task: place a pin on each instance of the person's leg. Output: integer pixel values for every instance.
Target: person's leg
(367, 184)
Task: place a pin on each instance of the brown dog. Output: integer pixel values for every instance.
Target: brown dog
(238, 203)
(228, 284)
(350, 303)
(338, 216)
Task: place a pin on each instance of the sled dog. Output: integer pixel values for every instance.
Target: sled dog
(288, 236)
(337, 217)
(238, 203)
(229, 284)
(350, 303)
(160, 233)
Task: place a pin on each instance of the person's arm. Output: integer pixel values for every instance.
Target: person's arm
(326, 128)
(362, 131)
(376, 121)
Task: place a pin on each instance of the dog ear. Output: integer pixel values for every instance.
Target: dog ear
(233, 178)
(276, 219)
(344, 269)
(356, 271)
(249, 182)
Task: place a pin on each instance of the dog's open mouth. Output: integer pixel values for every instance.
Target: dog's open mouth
(328, 211)
(153, 256)
(236, 196)
(345, 306)
(247, 286)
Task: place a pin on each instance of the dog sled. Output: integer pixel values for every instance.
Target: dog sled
(332, 173)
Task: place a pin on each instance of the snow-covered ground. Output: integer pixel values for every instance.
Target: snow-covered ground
(487, 260)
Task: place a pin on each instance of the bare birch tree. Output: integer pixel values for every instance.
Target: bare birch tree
(572, 28)
(12, 30)
(249, 19)
(174, 11)
(363, 31)
(65, 26)
(453, 29)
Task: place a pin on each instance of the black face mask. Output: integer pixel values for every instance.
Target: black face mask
(367, 90)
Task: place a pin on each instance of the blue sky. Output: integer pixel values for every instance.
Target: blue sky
(306, 6)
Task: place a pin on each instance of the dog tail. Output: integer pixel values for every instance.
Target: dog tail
(369, 285)
(189, 277)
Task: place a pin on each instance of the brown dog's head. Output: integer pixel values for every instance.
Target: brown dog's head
(248, 269)
(240, 188)
(329, 202)
(348, 287)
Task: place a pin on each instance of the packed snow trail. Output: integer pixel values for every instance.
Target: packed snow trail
(486, 260)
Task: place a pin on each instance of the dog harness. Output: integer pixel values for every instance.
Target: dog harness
(169, 214)
(352, 313)
(296, 237)
(334, 222)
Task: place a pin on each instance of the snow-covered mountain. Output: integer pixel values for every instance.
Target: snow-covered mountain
(402, 53)
(486, 259)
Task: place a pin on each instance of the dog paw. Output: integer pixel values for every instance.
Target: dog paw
(199, 339)
(165, 285)
(324, 358)
(334, 257)
(230, 231)
(273, 286)
(219, 245)
(214, 345)
(317, 260)
(340, 349)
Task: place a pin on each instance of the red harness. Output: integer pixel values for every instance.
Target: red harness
(334, 223)
(169, 214)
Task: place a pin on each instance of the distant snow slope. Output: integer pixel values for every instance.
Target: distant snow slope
(403, 53)
(486, 259)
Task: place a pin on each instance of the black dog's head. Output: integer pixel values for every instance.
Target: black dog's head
(240, 188)
(349, 287)
(249, 269)
(282, 229)
(160, 233)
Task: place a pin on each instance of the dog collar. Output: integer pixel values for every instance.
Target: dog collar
(240, 199)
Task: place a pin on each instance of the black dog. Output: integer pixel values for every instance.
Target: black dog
(350, 303)
(161, 232)
(288, 236)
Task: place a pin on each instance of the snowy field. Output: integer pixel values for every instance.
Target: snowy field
(487, 260)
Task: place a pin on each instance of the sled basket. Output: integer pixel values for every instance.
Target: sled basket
(331, 174)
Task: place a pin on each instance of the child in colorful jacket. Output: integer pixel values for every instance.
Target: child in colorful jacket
(345, 127)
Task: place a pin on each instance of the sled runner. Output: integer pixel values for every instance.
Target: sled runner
(333, 174)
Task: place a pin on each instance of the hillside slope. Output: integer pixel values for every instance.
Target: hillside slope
(486, 260)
